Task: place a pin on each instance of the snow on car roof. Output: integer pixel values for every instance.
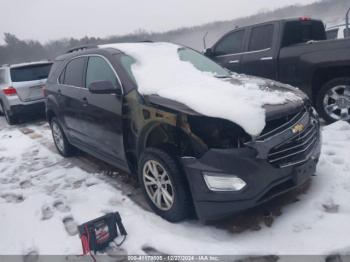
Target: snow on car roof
(158, 70)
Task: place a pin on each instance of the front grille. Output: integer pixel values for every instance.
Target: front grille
(276, 126)
(296, 150)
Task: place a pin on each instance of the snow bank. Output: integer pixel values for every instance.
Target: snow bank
(32, 178)
(160, 71)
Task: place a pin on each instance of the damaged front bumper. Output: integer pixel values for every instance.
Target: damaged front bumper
(271, 166)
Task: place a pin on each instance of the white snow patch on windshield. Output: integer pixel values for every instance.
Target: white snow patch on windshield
(159, 71)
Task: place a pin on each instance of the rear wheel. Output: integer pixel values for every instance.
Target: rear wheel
(61, 142)
(333, 100)
(164, 185)
(10, 118)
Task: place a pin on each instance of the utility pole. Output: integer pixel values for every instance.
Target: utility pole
(347, 23)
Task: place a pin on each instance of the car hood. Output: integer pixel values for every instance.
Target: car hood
(272, 111)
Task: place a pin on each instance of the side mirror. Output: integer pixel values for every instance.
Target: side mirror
(209, 52)
(103, 87)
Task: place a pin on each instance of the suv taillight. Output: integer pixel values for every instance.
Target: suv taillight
(9, 91)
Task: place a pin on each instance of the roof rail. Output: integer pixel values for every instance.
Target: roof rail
(80, 48)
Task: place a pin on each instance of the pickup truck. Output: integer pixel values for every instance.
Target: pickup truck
(295, 52)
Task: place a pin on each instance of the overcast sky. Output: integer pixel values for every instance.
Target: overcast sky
(51, 19)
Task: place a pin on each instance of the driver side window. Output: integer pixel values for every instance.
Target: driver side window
(99, 70)
(230, 44)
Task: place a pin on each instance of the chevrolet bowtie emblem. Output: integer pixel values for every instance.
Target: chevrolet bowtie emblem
(298, 128)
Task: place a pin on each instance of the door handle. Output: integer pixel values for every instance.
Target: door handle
(234, 62)
(266, 58)
(59, 91)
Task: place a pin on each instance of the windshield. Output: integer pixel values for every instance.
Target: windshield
(199, 61)
(30, 73)
(202, 63)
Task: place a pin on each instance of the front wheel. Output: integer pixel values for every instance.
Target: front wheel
(333, 100)
(164, 185)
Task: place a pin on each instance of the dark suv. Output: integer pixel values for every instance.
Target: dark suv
(187, 162)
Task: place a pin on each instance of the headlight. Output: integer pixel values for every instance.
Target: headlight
(223, 182)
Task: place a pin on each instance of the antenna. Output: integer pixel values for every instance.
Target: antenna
(204, 41)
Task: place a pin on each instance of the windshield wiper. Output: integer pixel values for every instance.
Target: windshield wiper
(223, 76)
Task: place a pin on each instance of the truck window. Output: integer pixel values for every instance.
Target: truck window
(297, 32)
(261, 38)
(230, 44)
(332, 34)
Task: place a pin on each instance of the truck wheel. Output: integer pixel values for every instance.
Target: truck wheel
(333, 100)
(11, 119)
(61, 142)
(164, 185)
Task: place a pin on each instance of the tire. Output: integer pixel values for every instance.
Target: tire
(60, 139)
(180, 207)
(11, 119)
(333, 100)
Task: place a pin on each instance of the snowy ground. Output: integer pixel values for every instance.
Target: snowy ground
(43, 197)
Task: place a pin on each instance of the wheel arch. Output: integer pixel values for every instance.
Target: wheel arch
(50, 113)
(323, 75)
(165, 136)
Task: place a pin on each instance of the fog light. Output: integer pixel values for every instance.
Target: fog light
(223, 182)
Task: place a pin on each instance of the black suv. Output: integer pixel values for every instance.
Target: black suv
(187, 163)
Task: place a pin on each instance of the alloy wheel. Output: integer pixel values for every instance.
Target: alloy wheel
(337, 102)
(58, 136)
(158, 185)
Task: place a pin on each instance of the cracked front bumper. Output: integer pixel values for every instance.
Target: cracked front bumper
(264, 181)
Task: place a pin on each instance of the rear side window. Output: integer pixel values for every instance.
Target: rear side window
(99, 70)
(74, 72)
(30, 73)
(261, 38)
(230, 44)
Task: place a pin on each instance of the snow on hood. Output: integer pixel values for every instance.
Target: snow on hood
(158, 70)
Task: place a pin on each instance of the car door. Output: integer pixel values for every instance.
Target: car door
(70, 96)
(228, 50)
(260, 59)
(102, 114)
